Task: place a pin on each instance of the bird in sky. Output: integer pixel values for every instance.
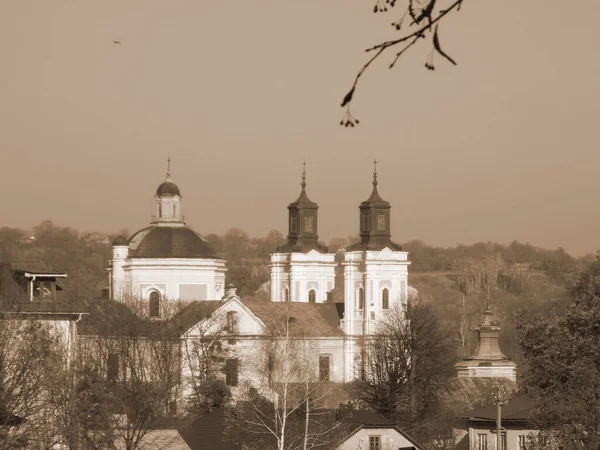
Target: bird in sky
(116, 42)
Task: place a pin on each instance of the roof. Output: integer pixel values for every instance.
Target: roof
(375, 243)
(517, 409)
(464, 394)
(303, 199)
(169, 242)
(168, 188)
(311, 319)
(35, 267)
(302, 245)
(113, 318)
(375, 199)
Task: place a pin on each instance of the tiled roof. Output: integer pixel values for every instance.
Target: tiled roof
(169, 242)
(33, 266)
(308, 319)
(516, 409)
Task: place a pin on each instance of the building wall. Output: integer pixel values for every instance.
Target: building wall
(512, 436)
(301, 272)
(372, 271)
(475, 371)
(173, 278)
(390, 439)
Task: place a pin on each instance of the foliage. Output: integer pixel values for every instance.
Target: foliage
(210, 394)
(563, 363)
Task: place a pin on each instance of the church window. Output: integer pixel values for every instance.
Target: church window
(231, 371)
(286, 294)
(174, 210)
(154, 304)
(380, 222)
(361, 298)
(232, 322)
(160, 210)
(375, 442)
(324, 367)
(312, 296)
(365, 222)
(293, 224)
(309, 222)
(112, 367)
(385, 299)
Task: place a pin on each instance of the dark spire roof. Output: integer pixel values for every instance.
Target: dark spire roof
(375, 224)
(169, 242)
(488, 348)
(168, 188)
(303, 234)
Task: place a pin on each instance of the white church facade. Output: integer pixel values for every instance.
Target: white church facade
(168, 261)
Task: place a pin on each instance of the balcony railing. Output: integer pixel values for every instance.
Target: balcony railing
(156, 219)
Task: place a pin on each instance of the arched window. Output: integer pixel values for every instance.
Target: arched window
(286, 294)
(361, 298)
(174, 210)
(312, 296)
(154, 304)
(385, 299)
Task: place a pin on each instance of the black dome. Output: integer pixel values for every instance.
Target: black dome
(120, 240)
(168, 188)
(169, 242)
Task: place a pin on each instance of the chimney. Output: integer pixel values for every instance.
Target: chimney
(230, 292)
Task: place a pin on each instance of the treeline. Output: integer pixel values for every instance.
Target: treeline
(84, 256)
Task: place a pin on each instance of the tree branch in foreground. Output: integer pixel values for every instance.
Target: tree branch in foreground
(423, 15)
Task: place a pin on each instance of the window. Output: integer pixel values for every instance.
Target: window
(154, 304)
(324, 366)
(503, 441)
(522, 442)
(174, 210)
(385, 299)
(293, 221)
(374, 442)
(312, 296)
(232, 322)
(365, 222)
(112, 367)
(481, 441)
(309, 224)
(286, 294)
(231, 371)
(361, 298)
(380, 222)
(270, 368)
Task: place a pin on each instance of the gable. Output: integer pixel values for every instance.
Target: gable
(247, 323)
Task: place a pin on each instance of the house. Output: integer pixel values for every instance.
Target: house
(517, 430)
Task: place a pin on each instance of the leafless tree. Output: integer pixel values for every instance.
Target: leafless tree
(406, 363)
(418, 20)
(284, 412)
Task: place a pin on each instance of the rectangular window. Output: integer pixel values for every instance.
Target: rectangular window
(232, 322)
(522, 442)
(324, 366)
(380, 222)
(231, 371)
(503, 441)
(481, 441)
(112, 367)
(374, 442)
(309, 223)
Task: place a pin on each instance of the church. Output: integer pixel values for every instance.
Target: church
(169, 263)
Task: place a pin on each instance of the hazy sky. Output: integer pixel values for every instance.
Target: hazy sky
(502, 147)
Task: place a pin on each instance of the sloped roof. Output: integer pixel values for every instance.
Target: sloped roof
(464, 394)
(517, 409)
(307, 319)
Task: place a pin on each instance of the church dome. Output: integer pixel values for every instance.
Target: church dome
(168, 188)
(169, 242)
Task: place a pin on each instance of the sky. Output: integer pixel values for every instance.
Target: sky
(502, 147)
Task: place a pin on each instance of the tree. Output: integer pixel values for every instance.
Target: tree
(284, 412)
(420, 19)
(405, 365)
(138, 366)
(563, 366)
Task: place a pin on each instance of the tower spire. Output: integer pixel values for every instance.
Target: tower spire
(303, 184)
(374, 173)
(169, 167)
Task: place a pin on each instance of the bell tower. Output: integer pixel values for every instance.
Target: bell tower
(302, 270)
(168, 203)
